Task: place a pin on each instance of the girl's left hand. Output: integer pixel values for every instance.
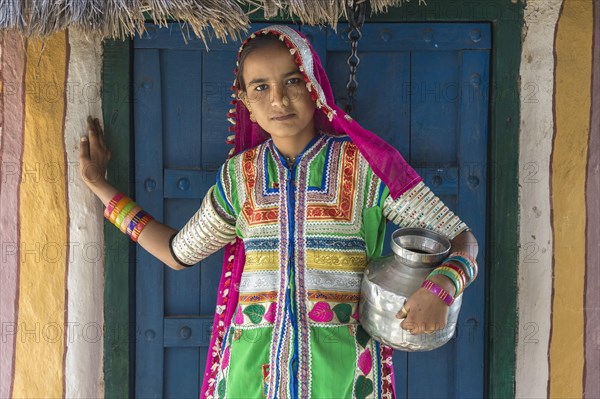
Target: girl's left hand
(426, 313)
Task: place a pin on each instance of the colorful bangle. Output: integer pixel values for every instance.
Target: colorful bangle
(464, 255)
(460, 271)
(124, 213)
(136, 219)
(452, 275)
(111, 204)
(117, 209)
(127, 219)
(468, 262)
(438, 291)
(140, 226)
(453, 259)
(473, 263)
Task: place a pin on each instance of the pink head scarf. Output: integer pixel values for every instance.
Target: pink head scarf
(385, 160)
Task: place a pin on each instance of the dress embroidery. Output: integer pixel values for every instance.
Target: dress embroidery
(306, 249)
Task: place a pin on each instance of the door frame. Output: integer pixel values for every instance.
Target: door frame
(506, 18)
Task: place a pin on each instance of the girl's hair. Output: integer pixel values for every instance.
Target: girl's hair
(253, 44)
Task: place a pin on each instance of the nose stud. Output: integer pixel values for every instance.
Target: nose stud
(285, 101)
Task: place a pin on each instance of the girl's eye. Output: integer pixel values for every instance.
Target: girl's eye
(260, 87)
(293, 81)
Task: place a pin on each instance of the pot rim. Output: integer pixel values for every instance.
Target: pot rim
(421, 232)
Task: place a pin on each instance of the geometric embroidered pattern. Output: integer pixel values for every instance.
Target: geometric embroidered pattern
(306, 250)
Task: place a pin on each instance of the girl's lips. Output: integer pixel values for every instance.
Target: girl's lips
(282, 118)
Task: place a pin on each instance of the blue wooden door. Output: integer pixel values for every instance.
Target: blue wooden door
(422, 87)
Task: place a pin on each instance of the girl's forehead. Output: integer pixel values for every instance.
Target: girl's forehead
(269, 59)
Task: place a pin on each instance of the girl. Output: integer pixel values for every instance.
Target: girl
(305, 201)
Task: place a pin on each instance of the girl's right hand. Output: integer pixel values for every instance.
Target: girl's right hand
(93, 155)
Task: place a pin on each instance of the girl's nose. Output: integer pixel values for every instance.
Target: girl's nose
(278, 96)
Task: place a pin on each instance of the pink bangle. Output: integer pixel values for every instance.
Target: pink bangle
(438, 291)
(111, 204)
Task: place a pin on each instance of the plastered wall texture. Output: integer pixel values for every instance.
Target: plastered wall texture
(52, 241)
(557, 350)
(535, 147)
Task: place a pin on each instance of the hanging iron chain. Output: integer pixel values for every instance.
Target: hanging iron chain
(356, 11)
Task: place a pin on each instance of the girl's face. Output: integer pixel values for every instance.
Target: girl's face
(276, 93)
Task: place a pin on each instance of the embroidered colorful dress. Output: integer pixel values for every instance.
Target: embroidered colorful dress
(298, 239)
(309, 230)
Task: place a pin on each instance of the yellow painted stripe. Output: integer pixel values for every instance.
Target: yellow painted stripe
(572, 106)
(43, 213)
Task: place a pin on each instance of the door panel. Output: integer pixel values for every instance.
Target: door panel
(149, 194)
(422, 87)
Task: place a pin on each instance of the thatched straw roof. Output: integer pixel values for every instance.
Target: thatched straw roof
(123, 18)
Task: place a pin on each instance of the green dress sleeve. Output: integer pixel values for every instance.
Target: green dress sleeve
(374, 223)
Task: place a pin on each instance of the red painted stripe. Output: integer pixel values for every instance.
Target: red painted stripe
(591, 371)
(11, 159)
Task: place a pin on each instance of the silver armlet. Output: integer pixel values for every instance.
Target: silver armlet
(419, 207)
(204, 234)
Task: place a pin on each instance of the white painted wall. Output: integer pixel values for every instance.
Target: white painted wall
(83, 372)
(535, 145)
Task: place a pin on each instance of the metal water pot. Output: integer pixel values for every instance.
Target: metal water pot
(389, 281)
